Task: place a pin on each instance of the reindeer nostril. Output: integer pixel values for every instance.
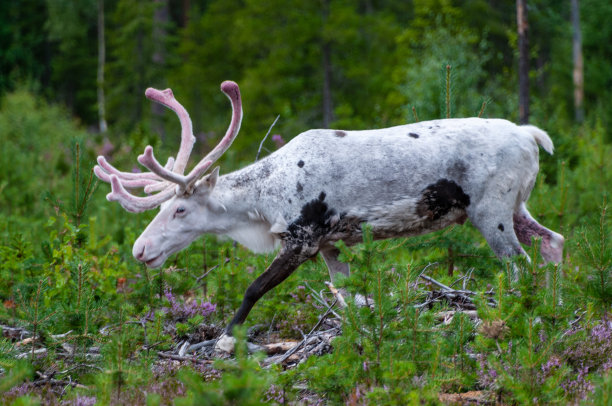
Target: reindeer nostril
(139, 250)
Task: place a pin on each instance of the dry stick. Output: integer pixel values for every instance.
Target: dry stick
(448, 90)
(197, 346)
(264, 138)
(320, 299)
(452, 293)
(416, 281)
(482, 109)
(79, 366)
(435, 282)
(206, 273)
(179, 358)
(414, 112)
(294, 349)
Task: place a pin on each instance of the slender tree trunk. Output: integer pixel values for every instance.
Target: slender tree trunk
(523, 70)
(578, 63)
(101, 62)
(160, 20)
(186, 9)
(328, 107)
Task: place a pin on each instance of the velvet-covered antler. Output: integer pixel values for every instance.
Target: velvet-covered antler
(168, 180)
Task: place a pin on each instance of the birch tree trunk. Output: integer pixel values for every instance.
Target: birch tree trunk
(101, 62)
(578, 73)
(161, 17)
(328, 107)
(523, 69)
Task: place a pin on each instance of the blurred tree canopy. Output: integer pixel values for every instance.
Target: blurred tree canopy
(318, 63)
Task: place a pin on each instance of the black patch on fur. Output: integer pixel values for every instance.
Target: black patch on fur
(299, 187)
(440, 198)
(301, 163)
(315, 212)
(289, 201)
(500, 227)
(340, 133)
(413, 135)
(314, 220)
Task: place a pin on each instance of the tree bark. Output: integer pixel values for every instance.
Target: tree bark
(161, 17)
(328, 107)
(578, 72)
(101, 62)
(523, 70)
(186, 10)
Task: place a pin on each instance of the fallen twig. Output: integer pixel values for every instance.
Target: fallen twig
(319, 298)
(197, 346)
(294, 349)
(205, 274)
(180, 358)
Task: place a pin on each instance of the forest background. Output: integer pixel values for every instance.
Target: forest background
(72, 81)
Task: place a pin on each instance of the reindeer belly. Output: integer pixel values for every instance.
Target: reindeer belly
(414, 216)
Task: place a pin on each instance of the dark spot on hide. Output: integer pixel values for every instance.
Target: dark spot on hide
(299, 187)
(458, 170)
(301, 163)
(440, 198)
(414, 135)
(500, 226)
(340, 133)
(289, 201)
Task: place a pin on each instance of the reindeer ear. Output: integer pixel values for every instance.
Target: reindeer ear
(209, 181)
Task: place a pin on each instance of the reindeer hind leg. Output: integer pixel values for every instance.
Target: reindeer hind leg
(527, 227)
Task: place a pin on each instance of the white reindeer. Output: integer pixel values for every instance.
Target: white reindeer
(324, 184)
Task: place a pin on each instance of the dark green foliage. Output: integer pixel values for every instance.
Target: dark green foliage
(65, 252)
(595, 249)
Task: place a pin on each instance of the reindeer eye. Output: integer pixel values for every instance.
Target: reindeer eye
(180, 210)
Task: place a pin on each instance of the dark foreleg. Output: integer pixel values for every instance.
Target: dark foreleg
(287, 261)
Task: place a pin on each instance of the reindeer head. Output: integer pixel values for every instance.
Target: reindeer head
(183, 198)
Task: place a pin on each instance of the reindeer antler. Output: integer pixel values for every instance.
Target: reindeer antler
(168, 180)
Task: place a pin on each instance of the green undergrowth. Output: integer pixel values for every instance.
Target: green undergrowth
(66, 267)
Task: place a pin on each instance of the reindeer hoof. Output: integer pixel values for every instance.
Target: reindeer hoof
(225, 344)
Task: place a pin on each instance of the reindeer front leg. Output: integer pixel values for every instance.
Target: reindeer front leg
(289, 258)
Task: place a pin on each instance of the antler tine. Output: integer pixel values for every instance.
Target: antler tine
(163, 179)
(232, 91)
(186, 183)
(128, 183)
(111, 170)
(166, 98)
(148, 160)
(157, 179)
(160, 185)
(133, 203)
